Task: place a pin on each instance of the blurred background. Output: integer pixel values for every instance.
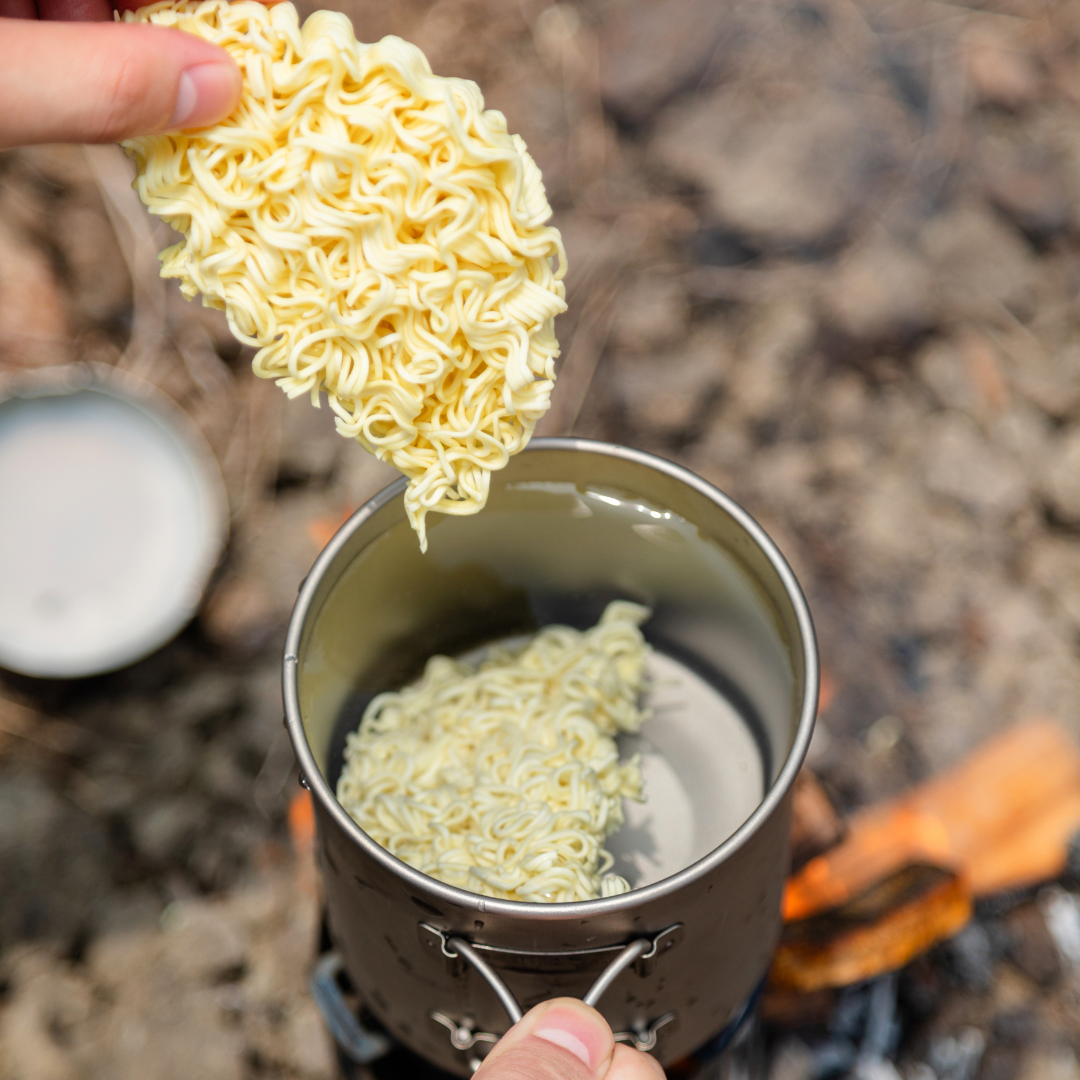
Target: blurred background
(826, 253)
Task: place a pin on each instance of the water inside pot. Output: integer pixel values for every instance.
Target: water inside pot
(558, 552)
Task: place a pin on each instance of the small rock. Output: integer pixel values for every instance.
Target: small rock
(137, 908)
(966, 372)
(24, 201)
(208, 696)
(1001, 71)
(649, 51)
(307, 1044)
(880, 290)
(172, 755)
(874, 1069)
(653, 313)
(202, 942)
(103, 791)
(218, 857)
(310, 444)
(1061, 481)
(54, 862)
(46, 1006)
(1013, 619)
(772, 345)
(971, 955)
(1031, 946)
(221, 776)
(845, 458)
(784, 473)
(1000, 1062)
(1016, 1026)
(98, 277)
(793, 1060)
(957, 1057)
(361, 475)
(959, 463)
(984, 367)
(260, 724)
(1053, 564)
(239, 615)
(182, 312)
(919, 1070)
(844, 402)
(1061, 909)
(890, 521)
(1024, 433)
(1025, 182)
(978, 257)
(666, 393)
(33, 319)
(1048, 377)
(162, 831)
(276, 545)
(793, 171)
(1050, 1063)
(941, 367)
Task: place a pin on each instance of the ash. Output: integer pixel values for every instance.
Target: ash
(824, 252)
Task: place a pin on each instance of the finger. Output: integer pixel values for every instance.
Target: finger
(630, 1064)
(563, 1039)
(75, 10)
(96, 82)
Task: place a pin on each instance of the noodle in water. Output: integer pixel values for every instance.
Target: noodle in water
(504, 778)
(377, 233)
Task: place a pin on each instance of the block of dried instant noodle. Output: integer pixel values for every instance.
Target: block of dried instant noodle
(377, 233)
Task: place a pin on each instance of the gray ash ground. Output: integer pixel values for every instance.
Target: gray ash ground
(824, 252)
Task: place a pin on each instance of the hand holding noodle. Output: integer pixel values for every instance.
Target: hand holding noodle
(379, 236)
(505, 779)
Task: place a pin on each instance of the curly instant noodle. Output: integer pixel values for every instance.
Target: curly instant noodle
(504, 778)
(377, 233)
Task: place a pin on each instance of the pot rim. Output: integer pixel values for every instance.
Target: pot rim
(311, 774)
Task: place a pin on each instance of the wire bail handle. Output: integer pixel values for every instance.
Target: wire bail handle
(640, 951)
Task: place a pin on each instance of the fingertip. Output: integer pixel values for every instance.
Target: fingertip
(630, 1064)
(576, 1027)
(205, 94)
(564, 1034)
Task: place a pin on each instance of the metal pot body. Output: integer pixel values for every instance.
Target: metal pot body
(372, 610)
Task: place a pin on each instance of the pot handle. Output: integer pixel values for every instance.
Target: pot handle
(636, 950)
(364, 1046)
(464, 1038)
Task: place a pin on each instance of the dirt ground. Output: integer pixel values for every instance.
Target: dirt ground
(824, 252)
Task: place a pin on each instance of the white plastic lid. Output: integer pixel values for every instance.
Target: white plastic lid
(112, 517)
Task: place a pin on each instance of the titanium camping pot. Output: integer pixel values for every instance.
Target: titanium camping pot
(569, 526)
